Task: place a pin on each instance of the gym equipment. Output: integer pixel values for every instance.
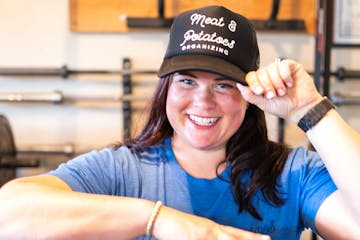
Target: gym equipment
(340, 74)
(269, 24)
(57, 97)
(159, 22)
(9, 159)
(340, 99)
(65, 72)
(272, 23)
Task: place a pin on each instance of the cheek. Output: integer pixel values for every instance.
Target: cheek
(178, 98)
(234, 106)
(235, 112)
(173, 99)
(175, 103)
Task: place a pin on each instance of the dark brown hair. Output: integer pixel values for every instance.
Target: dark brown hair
(248, 151)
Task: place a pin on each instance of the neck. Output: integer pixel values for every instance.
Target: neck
(197, 162)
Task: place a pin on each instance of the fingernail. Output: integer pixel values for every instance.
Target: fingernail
(257, 89)
(289, 84)
(270, 95)
(281, 92)
(239, 86)
(277, 61)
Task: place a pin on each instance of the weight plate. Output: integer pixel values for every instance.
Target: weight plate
(7, 150)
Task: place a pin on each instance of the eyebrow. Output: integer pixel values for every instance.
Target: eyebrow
(186, 73)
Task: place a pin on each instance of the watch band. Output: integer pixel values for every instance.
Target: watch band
(314, 115)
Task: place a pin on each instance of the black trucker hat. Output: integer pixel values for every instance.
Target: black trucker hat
(212, 39)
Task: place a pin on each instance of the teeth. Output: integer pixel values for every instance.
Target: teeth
(203, 121)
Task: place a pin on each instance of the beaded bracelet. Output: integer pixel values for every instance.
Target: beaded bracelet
(152, 218)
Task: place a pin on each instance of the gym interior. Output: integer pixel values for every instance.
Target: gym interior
(76, 75)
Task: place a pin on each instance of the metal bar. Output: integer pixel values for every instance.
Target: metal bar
(327, 45)
(65, 72)
(36, 97)
(341, 73)
(13, 162)
(127, 89)
(274, 10)
(319, 44)
(340, 99)
(161, 9)
(279, 25)
(273, 23)
(58, 97)
(67, 149)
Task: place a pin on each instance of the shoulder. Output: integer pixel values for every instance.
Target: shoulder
(152, 155)
(301, 164)
(301, 156)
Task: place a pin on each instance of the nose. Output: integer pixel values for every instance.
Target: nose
(204, 98)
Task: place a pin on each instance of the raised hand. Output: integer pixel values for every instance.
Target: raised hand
(282, 88)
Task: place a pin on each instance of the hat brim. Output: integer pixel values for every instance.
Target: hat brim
(202, 62)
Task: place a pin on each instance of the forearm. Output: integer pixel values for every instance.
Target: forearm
(46, 212)
(339, 146)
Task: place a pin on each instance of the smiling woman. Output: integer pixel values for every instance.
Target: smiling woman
(205, 158)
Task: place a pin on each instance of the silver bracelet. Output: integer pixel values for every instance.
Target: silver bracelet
(152, 218)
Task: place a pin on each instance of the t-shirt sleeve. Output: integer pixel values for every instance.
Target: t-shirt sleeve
(316, 186)
(93, 172)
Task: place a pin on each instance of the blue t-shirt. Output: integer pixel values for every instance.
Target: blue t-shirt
(155, 174)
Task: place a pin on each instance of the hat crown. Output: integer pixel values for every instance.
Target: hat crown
(217, 32)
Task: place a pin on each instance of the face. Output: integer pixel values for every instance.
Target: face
(204, 109)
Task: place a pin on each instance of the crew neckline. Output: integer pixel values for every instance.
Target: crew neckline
(224, 176)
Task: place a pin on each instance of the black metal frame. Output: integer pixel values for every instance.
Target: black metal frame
(159, 22)
(324, 44)
(272, 23)
(127, 110)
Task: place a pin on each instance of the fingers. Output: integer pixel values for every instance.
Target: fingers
(251, 97)
(284, 68)
(272, 80)
(276, 76)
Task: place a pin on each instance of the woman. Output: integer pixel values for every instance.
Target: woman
(204, 156)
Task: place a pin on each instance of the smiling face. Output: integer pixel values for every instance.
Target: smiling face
(204, 109)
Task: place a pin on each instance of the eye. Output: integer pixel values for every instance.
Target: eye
(187, 81)
(225, 86)
(184, 81)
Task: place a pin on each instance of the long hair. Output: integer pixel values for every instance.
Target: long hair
(248, 150)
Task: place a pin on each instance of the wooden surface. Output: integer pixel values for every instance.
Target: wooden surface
(110, 15)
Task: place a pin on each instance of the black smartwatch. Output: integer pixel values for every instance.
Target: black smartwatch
(314, 115)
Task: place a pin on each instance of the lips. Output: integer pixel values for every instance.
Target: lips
(203, 121)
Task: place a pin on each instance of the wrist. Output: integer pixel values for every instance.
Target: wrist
(315, 114)
(302, 110)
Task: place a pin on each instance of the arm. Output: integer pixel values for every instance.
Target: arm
(336, 142)
(44, 207)
(339, 147)
(334, 220)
